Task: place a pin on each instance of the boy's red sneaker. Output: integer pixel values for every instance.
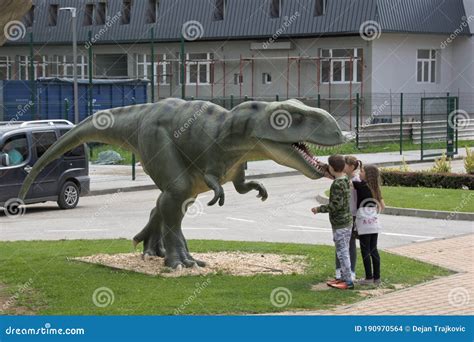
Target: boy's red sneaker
(334, 281)
(343, 285)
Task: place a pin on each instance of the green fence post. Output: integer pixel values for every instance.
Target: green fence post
(32, 80)
(246, 98)
(319, 100)
(422, 109)
(90, 85)
(357, 118)
(401, 123)
(277, 97)
(133, 154)
(183, 69)
(231, 101)
(152, 48)
(66, 109)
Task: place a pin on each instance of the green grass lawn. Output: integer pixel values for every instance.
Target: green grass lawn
(349, 148)
(429, 198)
(62, 287)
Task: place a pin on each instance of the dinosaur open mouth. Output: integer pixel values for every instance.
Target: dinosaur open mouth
(304, 152)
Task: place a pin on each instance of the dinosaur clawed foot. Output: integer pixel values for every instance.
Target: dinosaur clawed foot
(181, 259)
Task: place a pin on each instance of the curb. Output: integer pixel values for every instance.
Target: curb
(432, 214)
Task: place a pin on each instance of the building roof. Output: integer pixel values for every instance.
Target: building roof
(250, 19)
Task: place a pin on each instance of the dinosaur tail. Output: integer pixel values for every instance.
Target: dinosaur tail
(87, 131)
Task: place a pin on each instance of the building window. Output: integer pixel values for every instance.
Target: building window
(341, 65)
(5, 68)
(63, 66)
(320, 7)
(219, 9)
(30, 17)
(101, 13)
(266, 78)
(53, 15)
(151, 12)
(426, 66)
(88, 14)
(198, 68)
(238, 79)
(40, 65)
(111, 65)
(160, 72)
(126, 11)
(275, 8)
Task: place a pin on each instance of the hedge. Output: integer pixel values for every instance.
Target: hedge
(428, 179)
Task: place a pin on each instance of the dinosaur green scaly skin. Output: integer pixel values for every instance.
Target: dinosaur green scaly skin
(189, 147)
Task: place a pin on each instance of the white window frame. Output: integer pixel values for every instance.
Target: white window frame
(265, 77)
(205, 63)
(342, 60)
(429, 61)
(81, 64)
(24, 62)
(145, 63)
(5, 62)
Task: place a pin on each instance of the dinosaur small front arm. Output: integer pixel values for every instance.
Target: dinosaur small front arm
(243, 187)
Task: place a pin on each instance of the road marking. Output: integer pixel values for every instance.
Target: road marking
(239, 219)
(409, 235)
(311, 228)
(205, 228)
(304, 230)
(75, 230)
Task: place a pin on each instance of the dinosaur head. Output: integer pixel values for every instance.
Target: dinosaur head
(286, 129)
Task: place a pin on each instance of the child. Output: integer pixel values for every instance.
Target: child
(352, 165)
(369, 203)
(341, 219)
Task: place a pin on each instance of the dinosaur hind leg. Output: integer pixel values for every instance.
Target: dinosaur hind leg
(151, 235)
(176, 249)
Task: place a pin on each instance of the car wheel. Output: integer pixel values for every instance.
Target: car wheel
(68, 196)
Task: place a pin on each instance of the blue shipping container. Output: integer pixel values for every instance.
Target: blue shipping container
(54, 98)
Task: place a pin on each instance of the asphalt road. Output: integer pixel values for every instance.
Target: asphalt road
(284, 217)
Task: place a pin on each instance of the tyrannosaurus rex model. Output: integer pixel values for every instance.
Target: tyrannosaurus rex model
(189, 147)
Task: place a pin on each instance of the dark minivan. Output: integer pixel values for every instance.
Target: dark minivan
(21, 145)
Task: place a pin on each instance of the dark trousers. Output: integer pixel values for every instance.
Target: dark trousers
(370, 255)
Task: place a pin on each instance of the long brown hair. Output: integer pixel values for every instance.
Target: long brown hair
(372, 177)
(353, 161)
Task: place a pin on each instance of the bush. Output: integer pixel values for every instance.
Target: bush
(469, 161)
(428, 180)
(442, 165)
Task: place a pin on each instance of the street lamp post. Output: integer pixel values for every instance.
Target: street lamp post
(73, 11)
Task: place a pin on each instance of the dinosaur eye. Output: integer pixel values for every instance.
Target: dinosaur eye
(297, 118)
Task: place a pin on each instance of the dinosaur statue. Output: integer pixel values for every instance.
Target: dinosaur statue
(189, 147)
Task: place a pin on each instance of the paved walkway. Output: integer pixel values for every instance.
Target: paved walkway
(109, 178)
(451, 295)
